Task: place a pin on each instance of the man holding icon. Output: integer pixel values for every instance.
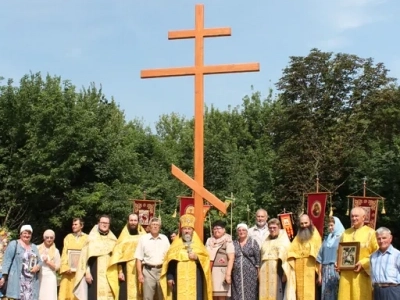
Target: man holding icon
(72, 242)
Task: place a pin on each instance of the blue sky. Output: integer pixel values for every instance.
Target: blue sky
(109, 42)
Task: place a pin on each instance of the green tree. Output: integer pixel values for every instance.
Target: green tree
(319, 130)
(62, 153)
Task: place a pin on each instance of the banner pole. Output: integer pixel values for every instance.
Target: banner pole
(232, 215)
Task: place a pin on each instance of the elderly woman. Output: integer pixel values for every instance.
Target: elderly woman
(21, 265)
(246, 266)
(222, 253)
(51, 263)
(327, 275)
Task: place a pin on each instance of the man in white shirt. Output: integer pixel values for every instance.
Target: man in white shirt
(260, 232)
(149, 255)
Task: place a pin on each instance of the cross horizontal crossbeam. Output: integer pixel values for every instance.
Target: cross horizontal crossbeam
(206, 70)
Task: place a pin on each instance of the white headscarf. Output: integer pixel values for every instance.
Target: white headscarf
(242, 225)
(26, 228)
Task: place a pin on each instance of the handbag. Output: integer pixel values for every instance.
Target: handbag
(221, 258)
(3, 289)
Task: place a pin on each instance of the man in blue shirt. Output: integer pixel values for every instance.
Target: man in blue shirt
(385, 267)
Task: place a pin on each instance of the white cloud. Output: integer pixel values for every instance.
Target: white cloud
(360, 3)
(341, 17)
(349, 20)
(351, 14)
(75, 52)
(334, 43)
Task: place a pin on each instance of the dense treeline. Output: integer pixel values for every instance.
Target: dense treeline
(66, 153)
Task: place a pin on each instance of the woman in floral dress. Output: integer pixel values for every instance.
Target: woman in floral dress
(245, 266)
(22, 261)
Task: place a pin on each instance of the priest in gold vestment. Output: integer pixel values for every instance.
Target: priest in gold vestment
(93, 280)
(356, 284)
(185, 273)
(277, 279)
(73, 241)
(302, 257)
(123, 257)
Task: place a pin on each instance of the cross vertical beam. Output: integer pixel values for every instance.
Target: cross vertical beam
(199, 116)
(198, 71)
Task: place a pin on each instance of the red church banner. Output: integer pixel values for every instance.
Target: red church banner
(316, 203)
(370, 205)
(187, 206)
(145, 209)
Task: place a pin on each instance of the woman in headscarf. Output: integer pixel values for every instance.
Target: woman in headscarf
(51, 263)
(327, 275)
(246, 266)
(222, 253)
(21, 265)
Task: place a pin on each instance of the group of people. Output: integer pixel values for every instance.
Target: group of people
(30, 270)
(260, 263)
(293, 270)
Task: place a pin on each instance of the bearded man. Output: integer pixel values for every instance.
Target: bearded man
(277, 280)
(123, 258)
(302, 258)
(356, 284)
(185, 274)
(260, 232)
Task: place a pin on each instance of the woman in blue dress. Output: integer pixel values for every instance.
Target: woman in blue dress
(327, 275)
(245, 266)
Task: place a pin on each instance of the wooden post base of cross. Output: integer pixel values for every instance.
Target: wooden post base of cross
(201, 194)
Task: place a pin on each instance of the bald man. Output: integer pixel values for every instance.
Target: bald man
(356, 284)
(302, 258)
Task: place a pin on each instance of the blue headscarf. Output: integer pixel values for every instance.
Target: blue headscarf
(338, 229)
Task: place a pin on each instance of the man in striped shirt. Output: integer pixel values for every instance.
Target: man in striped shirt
(385, 267)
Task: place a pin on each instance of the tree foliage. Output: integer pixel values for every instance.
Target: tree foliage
(66, 153)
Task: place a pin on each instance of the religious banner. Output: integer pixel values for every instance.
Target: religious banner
(145, 209)
(370, 205)
(316, 203)
(287, 224)
(206, 208)
(187, 206)
(227, 204)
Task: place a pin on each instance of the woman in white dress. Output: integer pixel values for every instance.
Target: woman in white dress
(51, 263)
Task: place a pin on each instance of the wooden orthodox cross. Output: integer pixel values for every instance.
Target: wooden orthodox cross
(198, 71)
